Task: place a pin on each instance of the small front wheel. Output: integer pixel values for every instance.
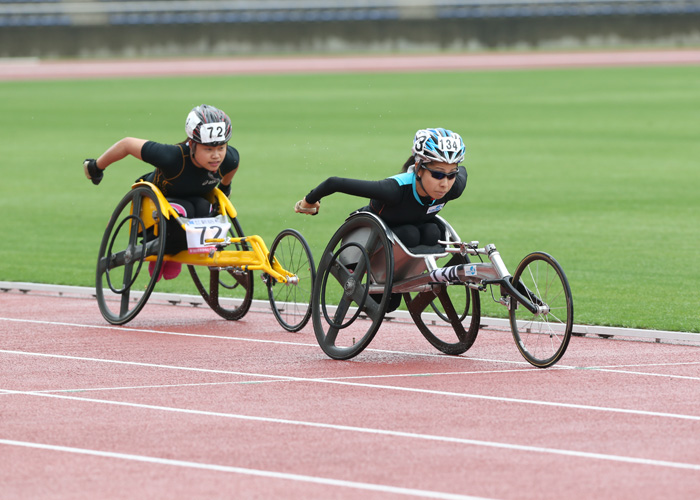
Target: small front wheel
(291, 301)
(542, 338)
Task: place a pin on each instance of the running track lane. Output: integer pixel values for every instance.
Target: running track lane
(183, 404)
(32, 69)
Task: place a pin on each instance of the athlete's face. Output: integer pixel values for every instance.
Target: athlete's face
(209, 157)
(430, 185)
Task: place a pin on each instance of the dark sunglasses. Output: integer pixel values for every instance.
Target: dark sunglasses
(439, 175)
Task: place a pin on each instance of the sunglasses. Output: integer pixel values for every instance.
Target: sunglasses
(439, 175)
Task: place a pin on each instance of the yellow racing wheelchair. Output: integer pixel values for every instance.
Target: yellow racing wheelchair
(220, 259)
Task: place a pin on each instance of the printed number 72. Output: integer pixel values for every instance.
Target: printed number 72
(204, 230)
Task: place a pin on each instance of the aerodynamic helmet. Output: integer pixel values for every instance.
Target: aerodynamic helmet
(438, 144)
(208, 125)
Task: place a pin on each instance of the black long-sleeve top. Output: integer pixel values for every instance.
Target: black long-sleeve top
(394, 199)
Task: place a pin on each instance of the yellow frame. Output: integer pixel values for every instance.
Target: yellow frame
(256, 259)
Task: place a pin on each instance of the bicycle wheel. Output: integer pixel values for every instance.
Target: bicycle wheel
(453, 305)
(291, 302)
(542, 338)
(135, 231)
(230, 292)
(353, 287)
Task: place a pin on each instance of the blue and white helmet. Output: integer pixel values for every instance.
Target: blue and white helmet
(438, 144)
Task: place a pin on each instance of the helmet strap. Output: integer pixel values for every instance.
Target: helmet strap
(419, 179)
(193, 152)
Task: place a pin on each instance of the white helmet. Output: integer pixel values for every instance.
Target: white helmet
(208, 125)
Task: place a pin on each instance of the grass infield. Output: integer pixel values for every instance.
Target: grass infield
(598, 167)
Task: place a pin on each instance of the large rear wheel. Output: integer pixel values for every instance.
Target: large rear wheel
(451, 323)
(135, 232)
(230, 291)
(353, 287)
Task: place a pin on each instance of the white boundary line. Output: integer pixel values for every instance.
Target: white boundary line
(249, 472)
(375, 431)
(340, 382)
(264, 306)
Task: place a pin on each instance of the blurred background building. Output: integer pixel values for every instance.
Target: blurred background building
(158, 28)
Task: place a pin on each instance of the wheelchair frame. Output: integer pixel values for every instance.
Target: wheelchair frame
(367, 264)
(288, 264)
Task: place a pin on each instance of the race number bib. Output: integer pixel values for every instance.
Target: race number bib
(201, 232)
(212, 132)
(449, 144)
(435, 208)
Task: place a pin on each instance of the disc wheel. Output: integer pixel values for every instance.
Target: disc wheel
(353, 287)
(291, 301)
(135, 231)
(230, 291)
(542, 338)
(441, 313)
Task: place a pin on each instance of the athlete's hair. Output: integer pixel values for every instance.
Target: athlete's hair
(409, 163)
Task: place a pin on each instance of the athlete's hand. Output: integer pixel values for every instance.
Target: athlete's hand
(302, 207)
(225, 189)
(92, 171)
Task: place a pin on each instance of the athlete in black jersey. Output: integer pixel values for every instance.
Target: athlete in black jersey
(184, 172)
(408, 202)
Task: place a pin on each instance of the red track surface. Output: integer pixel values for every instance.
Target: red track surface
(182, 404)
(32, 69)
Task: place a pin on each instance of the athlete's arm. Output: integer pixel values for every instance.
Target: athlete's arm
(386, 190)
(122, 149)
(225, 184)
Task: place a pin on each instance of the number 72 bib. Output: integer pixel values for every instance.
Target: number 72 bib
(201, 231)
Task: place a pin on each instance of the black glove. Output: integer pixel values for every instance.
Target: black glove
(92, 171)
(225, 189)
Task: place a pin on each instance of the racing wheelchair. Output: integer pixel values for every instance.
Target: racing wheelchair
(365, 271)
(140, 235)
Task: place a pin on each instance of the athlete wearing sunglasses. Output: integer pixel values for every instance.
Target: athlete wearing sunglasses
(439, 175)
(408, 202)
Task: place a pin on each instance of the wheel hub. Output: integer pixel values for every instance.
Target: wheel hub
(350, 286)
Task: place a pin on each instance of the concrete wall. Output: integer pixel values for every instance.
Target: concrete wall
(380, 35)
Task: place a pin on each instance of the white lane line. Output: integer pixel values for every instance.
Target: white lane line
(645, 374)
(123, 329)
(279, 342)
(381, 432)
(368, 386)
(245, 471)
(276, 381)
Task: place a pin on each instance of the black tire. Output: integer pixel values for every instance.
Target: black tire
(230, 292)
(354, 278)
(542, 339)
(291, 302)
(460, 295)
(136, 231)
(453, 304)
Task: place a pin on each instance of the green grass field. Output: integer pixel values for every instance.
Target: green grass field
(598, 167)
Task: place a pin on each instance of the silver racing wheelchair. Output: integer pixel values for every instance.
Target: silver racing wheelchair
(365, 271)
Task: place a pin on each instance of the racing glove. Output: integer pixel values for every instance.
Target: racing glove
(92, 171)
